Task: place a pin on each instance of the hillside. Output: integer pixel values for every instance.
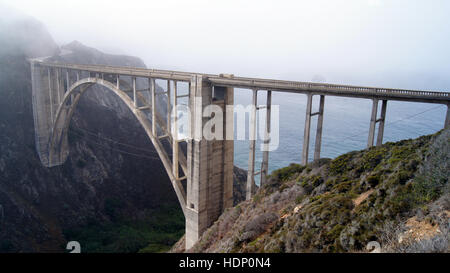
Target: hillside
(396, 194)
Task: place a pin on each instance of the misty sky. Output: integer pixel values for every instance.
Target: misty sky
(402, 44)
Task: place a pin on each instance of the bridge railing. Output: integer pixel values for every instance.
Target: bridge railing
(387, 91)
(292, 86)
(124, 70)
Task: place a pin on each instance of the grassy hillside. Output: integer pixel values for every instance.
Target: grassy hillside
(396, 194)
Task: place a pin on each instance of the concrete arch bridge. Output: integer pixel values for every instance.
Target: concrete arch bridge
(205, 166)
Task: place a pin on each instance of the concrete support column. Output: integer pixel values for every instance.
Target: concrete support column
(77, 77)
(251, 155)
(307, 130)
(175, 134)
(67, 80)
(228, 150)
(58, 84)
(118, 81)
(265, 161)
(373, 122)
(153, 94)
(447, 118)
(318, 142)
(200, 95)
(50, 93)
(197, 190)
(133, 79)
(169, 105)
(381, 123)
(62, 87)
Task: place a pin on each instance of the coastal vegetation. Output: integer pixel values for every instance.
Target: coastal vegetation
(396, 194)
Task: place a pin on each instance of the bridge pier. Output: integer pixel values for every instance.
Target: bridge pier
(374, 121)
(251, 156)
(381, 121)
(263, 172)
(318, 143)
(307, 131)
(265, 160)
(210, 162)
(447, 118)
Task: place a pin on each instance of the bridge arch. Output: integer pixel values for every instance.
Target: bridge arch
(207, 164)
(58, 144)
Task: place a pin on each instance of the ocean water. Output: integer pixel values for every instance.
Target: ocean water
(345, 125)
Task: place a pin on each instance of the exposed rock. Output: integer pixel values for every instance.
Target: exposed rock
(239, 185)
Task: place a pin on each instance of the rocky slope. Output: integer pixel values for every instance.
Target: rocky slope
(112, 193)
(397, 195)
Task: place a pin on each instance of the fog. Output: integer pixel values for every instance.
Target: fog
(393, 43)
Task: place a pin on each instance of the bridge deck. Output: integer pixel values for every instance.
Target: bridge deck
(269, 84)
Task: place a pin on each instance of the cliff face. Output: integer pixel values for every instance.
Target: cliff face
(23, 35)
(396, 194)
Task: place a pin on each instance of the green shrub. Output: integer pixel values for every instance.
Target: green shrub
(286, 173)
(341, 164)
(334, 233)
(373, 157)
(257, 197)
(342, 187)
(316, 180)
(299, 199)
(402, 177)
(283, 187)
(373, 180)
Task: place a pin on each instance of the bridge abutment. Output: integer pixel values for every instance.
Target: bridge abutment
(47, 94)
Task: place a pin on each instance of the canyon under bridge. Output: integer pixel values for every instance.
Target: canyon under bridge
(200, 169)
